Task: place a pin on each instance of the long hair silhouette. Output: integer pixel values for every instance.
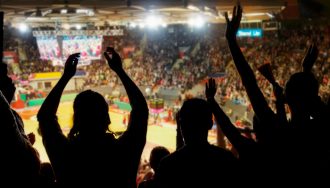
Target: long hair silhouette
(90, 115)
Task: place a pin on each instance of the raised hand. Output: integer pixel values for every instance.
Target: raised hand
(310, 58)
(266, 71)
(113, 58)
(32, 138)
(210, 89)
(71, 65)
(233, 24)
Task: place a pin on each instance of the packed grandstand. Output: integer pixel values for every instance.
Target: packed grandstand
(170, 64)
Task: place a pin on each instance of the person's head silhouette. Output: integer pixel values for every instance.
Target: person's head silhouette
(301, 92)
(91, 116)
(156, 155)
(7, 86)
(195, 118)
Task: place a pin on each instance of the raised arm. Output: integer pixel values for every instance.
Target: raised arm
(138, 121)
(310, 58)
(280, 104)
(50, 105)
(55, 142)
(51, 132)
(258, 101)
(222, 119)
(266, 71)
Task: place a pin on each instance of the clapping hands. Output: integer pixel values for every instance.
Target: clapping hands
(71, 65)
(114, 60)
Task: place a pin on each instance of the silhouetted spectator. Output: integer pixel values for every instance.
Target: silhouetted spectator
(246, 148)
(91, 155)
(157, 154)
(19, 161)
(197, 163)
(301, 148)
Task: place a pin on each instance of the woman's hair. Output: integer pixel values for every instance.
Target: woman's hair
(90, 114)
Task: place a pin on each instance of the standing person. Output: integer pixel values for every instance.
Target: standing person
(302, 148)
(197, 163)
(91, 154)
(19, 161)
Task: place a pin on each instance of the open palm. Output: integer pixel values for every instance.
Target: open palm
(210, 89)
(310, 58)
(233, 24)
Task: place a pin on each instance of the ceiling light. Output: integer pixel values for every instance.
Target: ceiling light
(64, 11)
(66, 26)
(23, 27)
(78, 26)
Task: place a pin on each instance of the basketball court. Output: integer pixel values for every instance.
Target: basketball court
(164, 135)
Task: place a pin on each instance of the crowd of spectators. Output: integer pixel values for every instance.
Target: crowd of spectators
(292, 151)
(180, 57)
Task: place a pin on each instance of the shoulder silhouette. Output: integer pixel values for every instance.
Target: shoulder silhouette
(156, 155)
(197, 163)
(19, 160)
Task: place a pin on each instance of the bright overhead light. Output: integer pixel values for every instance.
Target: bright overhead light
(81, 11)
(23, 27)
(64, 11)
(254, 14)
(197, 22)
(192, 7)
(153, 22)
(132, 24)
(208, 13)
(78, 26)
(88, 12)
(66, 26)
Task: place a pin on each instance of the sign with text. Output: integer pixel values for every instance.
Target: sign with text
(249, 33)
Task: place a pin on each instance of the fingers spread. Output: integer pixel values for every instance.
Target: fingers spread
(226, 16)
